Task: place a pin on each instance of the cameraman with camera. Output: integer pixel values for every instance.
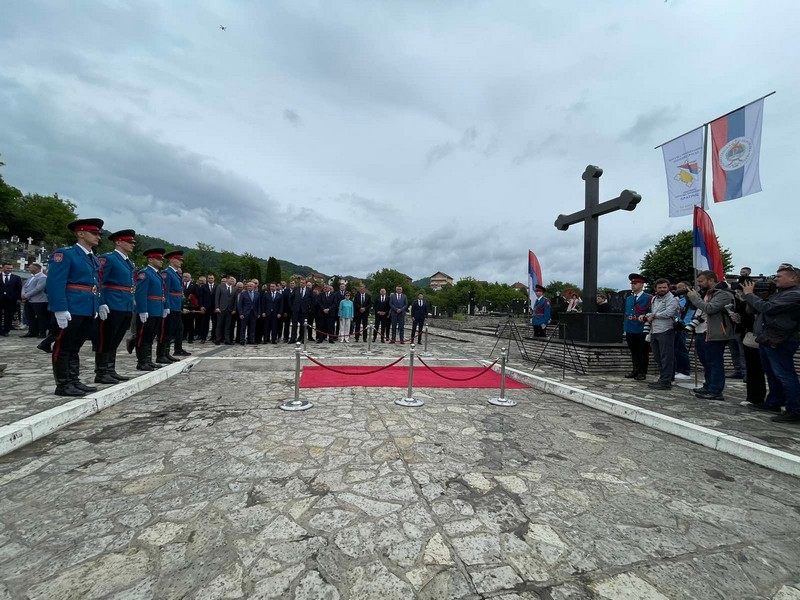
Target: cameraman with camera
(714, 304)
(777, 330)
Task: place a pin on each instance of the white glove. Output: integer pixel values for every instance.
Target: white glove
(143, 317)
(63, 318)
(103, 312)
(166, 312)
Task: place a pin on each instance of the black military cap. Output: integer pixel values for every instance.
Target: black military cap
(174, 254)
(123, 235)
(93, 225)
(540, 288)
(154, 253)
(637, 278)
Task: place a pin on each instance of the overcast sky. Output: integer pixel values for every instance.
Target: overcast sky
(418, 135)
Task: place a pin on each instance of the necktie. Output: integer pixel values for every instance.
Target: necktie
(229, 289)
(273, 295)
(251, 296)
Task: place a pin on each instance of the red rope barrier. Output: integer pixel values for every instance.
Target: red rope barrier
(370, 372)
(432, 370)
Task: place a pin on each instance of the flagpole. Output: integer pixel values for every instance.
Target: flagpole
(712, 120)
(705, 160)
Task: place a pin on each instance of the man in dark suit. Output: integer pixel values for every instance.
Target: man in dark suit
(247, 307)
(286, 311)
(301, 304)
(362, 304)
(10, 297)
(271, 303)
(398, 303)
(419, 310)
(190, 307)
(205, 302)
(381, 316)
(223, 309)
(327, 315)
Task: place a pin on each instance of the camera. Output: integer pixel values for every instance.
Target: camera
(694, 323)
(680, 293)
(762, 287)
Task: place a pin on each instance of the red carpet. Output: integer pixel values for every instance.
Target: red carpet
(319, 377)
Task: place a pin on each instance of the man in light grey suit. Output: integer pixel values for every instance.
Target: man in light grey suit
(398, 303)
(224, 305)
(35, 296)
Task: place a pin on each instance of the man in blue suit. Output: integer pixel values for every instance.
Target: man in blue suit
(72, 294)
(637, 305)
(247, 306)
(116, 304)
(150, 302)
(541, 312)
(172, 326)
(398, 303)
(419, 311)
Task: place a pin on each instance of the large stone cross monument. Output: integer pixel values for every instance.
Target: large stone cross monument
(627, 200)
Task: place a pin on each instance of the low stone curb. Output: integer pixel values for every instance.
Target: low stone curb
(32, 428)
(773, 459)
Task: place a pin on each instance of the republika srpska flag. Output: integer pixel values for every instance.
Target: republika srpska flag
(736, 146)
(534, 275)
(707, 256)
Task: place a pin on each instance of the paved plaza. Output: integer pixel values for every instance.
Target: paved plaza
(201, 487)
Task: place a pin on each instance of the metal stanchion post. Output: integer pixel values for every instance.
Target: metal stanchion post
(425, 350)
(368, 351)
(409, 400)
(296, 404)
(502, 400)
(304, 335)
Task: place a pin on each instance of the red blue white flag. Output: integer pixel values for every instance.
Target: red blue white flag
(736, 144)
(534, 276)
(707, 255)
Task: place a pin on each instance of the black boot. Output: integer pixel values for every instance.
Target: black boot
(112, 368)
(75, 376)
(142, 361)
(63, 385)
(161, 354)
(130, 344)
(101, 373)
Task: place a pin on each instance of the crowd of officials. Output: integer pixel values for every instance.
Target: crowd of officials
(101, 298)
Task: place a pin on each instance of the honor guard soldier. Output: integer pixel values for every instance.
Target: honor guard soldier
(172, 327)
(541, 312)
(149, 298)
(637, 305)
(72, 294)
(116, 304)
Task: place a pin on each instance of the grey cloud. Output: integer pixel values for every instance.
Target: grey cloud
(538, 149)
(648, 123)
(367, 206)
(292, 117)
(439, 152)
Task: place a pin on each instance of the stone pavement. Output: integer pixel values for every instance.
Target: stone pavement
(200, 487)
(731, 416)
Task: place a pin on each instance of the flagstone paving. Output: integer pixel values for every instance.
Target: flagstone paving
(200, 487)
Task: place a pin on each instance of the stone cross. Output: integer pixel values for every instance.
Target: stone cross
(22, 262)
(30, 241)
(627, 200)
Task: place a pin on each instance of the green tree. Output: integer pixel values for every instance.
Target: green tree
(389, 279)
(251, 267)
(273, 274)
(672, 258)
(232, 264)
(557, 288)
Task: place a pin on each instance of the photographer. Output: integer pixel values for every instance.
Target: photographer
(683, 364)
(663, 311)
(777, 331)
(710, 348)
(755, 382)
